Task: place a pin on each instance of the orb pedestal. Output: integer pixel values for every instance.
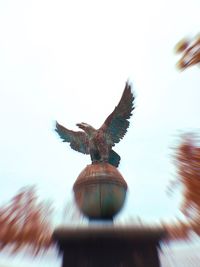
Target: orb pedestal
(100, 191)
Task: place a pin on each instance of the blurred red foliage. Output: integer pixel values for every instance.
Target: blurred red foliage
(187, 160)
(26, 222)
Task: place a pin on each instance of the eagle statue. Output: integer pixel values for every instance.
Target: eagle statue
(99, 142)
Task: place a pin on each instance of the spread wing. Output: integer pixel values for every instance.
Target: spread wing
(78, 140)
(116, 124)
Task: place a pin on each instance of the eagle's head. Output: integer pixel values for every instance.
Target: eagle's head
(85, 127)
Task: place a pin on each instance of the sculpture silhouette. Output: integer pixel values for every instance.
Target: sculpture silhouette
(99, 142)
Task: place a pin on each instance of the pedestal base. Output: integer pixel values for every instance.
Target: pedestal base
(109, 246)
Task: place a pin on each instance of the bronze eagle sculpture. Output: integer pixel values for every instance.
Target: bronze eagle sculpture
(99, 142)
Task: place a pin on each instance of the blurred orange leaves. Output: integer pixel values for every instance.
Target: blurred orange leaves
(190, 52)
(26, 222)
(187, 160)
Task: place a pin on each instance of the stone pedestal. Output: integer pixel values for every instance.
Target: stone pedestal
(109, 246)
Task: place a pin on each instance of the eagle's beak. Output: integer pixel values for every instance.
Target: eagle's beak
(79, 125)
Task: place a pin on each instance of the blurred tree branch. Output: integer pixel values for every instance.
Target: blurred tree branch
(190, 50)
(26, 222)
(187, 160)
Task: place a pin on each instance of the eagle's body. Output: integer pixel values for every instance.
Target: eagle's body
(99, 148)
(99, 142)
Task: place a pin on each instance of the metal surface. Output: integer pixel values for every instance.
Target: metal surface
(99, 142)
(100, 191)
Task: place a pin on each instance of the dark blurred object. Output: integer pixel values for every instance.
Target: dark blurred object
(190, 52)
(26, 223)
(100, 191)
(109, 246)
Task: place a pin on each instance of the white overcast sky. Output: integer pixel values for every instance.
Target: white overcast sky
(69, 61)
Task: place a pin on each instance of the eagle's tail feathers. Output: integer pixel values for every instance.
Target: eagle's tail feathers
(114, 158)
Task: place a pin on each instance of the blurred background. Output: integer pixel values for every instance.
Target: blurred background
(69, 61)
